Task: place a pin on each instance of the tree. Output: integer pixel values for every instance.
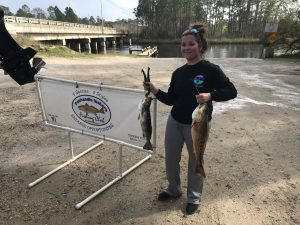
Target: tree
(59, 16)
(146, 12)
(92, 21)
(98, 21)
(55, 13)
(84, 20)
(232, 18)
(6, 10)
(70, 16)
(51, 13)
(39, 13)
(24, 11)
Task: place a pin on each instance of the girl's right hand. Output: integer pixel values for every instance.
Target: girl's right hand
(151, 87)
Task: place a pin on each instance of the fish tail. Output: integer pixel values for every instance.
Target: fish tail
(148, 146)
(200, 169)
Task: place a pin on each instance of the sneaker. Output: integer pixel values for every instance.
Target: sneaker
(191, 208)
(164, 196)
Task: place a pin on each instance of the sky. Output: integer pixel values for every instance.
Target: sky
(111, 9)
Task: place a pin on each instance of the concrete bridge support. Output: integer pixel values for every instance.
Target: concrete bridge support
(114, 42)
(94, 47)
(64, 42)
(99, 46)
(70, 44)
(77, 46)
(107, 43)
(87, 45)
(103, 45)
(120, 41)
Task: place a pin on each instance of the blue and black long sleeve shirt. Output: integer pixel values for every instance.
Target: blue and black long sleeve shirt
(190, 80)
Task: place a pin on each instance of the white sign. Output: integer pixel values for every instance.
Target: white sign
(271, 27)
(100, 110)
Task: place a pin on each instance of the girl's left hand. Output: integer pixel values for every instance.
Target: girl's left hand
(203, 97)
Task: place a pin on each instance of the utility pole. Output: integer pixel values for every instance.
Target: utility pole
(102, 17)
(104, 39)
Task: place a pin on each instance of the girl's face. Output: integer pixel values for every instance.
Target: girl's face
(190, 48)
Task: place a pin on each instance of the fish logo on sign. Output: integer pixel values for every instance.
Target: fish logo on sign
(198, 80)
(91, 110)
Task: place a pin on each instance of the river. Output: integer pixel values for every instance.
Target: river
(214, 51)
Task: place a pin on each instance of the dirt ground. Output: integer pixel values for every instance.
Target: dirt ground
(252, 158)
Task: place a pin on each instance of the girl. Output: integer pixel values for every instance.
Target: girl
(198, 81)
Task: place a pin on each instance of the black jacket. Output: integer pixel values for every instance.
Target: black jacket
(190, 80)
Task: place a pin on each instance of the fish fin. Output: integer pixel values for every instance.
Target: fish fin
(145, 76)
(194, 149)
(193, 123)
(200, 169)
(148, 74)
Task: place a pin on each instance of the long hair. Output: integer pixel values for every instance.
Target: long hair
(200, 36)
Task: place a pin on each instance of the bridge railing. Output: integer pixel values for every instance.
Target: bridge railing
(18, 21)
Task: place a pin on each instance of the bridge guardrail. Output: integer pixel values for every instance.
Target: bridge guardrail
(33, 21)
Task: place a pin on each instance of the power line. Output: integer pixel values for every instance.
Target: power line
(116, 5)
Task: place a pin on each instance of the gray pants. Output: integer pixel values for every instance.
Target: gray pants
(176, 135)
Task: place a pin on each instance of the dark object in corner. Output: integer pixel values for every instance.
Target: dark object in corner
(14, 60)
(1, 14)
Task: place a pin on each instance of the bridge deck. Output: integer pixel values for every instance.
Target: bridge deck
(41, 29)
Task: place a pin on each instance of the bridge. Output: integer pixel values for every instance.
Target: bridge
(79, 37)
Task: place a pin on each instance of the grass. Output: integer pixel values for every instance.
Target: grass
(62, 51)
(44, 50)
(26, 42)
(57, 50)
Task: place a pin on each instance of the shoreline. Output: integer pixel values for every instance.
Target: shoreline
(210, 41)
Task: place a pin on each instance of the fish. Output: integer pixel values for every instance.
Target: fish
(145, 121)
(146, 79)
(144, 113)
(91, 109)
(200, 131)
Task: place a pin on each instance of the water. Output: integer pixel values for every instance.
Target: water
(214, 51)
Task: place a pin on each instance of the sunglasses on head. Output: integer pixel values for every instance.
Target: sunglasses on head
(190, 31)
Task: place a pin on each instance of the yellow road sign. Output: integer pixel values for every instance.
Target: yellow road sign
(272, 38)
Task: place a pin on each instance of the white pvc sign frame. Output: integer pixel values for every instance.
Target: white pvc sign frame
(88, 109)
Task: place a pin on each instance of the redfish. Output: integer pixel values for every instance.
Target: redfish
(200, 130)
(145, 121)
(91, 109)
